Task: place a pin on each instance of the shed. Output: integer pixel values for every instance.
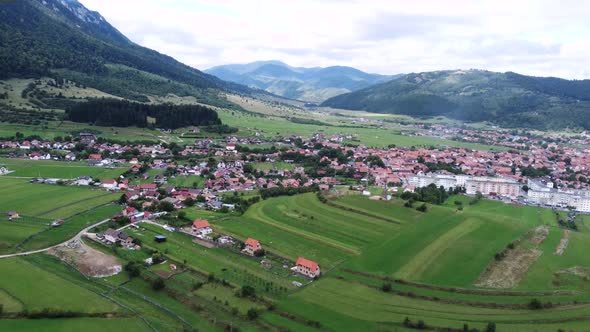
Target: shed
(160, 238)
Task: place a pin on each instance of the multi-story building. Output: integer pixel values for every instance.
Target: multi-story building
(544, 194)
(494, 186)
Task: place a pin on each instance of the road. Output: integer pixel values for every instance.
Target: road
(78, 236)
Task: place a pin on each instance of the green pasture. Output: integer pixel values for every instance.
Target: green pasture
(57, 169)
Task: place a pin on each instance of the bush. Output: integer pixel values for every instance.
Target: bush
(158, 284)
(535, 304)
(422, 208)
(252, 314)
(386, 287)
(491, 327)
(247, 291)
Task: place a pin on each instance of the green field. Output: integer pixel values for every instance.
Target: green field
(39, 204)
(57, 169)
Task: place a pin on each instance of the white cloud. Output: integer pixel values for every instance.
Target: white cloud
(537, 37)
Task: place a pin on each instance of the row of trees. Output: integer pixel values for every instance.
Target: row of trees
(121, 113)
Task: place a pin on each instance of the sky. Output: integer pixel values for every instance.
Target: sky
(533, 37)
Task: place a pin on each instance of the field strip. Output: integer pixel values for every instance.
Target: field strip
(70, 204)
(307, 235)
(419, 263)
(363, 212)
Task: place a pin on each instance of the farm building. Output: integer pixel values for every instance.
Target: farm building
(160, 238)
(12, 215)
(201, 227)
(307, 268)
(252, 246)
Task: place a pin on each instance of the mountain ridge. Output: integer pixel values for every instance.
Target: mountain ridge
(313, 84)
(508, 98)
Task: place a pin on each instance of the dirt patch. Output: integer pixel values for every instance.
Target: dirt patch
(538, 235)
(576, 270)
(511, 268)
(87, 260)
(565, 239)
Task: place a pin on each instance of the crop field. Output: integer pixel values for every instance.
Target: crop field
(57, 169)
(49, 201)
(302, 226)
(432, 260)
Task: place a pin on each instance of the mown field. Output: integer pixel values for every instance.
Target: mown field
(40, 204)
(57, 169)
(432, 260)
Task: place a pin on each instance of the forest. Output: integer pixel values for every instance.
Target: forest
(121, 113)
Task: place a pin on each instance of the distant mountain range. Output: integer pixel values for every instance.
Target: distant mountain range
(306, 84)
(63, 38)
(508, 99)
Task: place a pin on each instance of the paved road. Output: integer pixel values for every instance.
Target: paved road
(78, 236)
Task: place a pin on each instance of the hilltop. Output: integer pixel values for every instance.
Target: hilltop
(307, 84)
(508, 99)
(65, 40)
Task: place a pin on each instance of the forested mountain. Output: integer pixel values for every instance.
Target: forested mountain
(307, 84)
(62, 38)
(508, 99)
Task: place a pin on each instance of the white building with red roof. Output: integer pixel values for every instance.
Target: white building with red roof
(307, 268)
(251, 246)
(201, 227)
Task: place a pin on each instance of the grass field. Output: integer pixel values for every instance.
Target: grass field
(57, 169)
(37, 289)
(39, 204)
(49, 201)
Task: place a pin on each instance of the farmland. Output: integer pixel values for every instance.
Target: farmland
(39, 204)
(57, 169)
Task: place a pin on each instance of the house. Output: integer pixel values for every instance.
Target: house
(160, 179)
(148, 187)
(125, 240)
(87, 138)
(83, 180)
(12, 215)
(307, 268)
(201, 227)
(111, 235)
(230, 147)
(252, 246)
(109, 184)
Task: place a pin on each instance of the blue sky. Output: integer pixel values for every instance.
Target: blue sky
(543, 38)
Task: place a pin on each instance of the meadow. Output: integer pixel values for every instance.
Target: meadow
(40, 204)
(57, 169)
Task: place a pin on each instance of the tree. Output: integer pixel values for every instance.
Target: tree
(386, 287)
(491, 327)
(422, 208)
(535, 304)
(252, 314)
(158, 284)
(133, 269)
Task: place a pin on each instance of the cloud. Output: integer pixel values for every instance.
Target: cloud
(537, 37)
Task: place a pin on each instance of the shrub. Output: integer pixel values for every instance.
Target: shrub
(158, 284)
(252, 314)
(535, 304)
(386, 287)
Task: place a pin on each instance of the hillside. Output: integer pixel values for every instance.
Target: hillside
(306, 84)
(63, 39)
(507, 99)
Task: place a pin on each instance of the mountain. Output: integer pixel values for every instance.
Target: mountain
(307, 84)
(62, 38)
(508, 99)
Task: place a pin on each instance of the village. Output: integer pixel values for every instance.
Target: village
(228, 175)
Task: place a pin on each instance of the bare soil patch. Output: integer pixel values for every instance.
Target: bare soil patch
(87, 260)
(576, 270)
(509, 271)
(565, 239)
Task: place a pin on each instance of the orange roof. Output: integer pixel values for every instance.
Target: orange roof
(253, 243)
(200, 223)
(307, 263)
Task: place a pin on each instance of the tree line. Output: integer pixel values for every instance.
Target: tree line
(122, 113)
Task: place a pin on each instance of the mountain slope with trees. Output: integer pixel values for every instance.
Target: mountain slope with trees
(63, 39)
(307, 84)
(508, 99)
